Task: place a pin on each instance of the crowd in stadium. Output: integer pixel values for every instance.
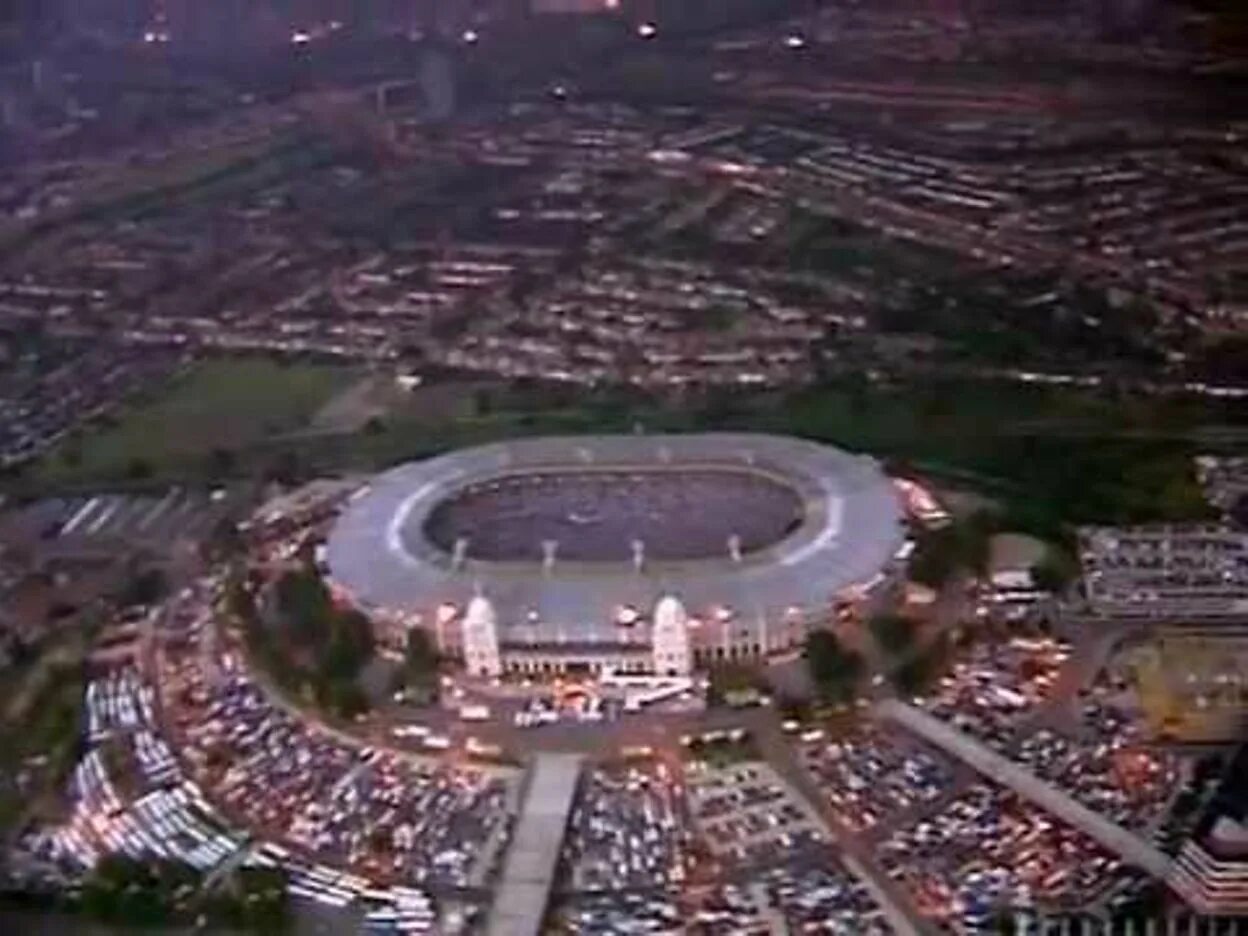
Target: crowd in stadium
(596, 516)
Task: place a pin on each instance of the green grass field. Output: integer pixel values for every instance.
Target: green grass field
(41, 724)
(218, 406)
(1051, 456)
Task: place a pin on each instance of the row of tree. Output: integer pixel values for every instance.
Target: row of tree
(122, 890)
(965, 546)
(310, 646)
(837, 671)
(417, 677)
(961, 546)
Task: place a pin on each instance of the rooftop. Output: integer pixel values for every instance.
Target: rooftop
(849, 531)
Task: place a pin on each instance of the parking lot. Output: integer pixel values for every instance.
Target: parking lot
(382, 815)
(1105, 765)
(629, 829)
(88, 520)
(990, 849)
(747, 815)
(609, 914)
(129, 795)
(870, 777)
(168, 818)
(995, 684)
(820, 897)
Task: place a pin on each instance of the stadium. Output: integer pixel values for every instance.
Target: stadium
(634, 554)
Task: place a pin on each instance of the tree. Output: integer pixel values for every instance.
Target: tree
(835, 670)
(221, 462)
(417, 677)
(350, 646)
(419, 653)
(71, 454)
(1148, 903)
(263, 899)
(330, 646)
(974, 540)
(343, 697)
(227, 540)
(933, 562)
(285, 469)
(138, 469)
(915, 674)
(145, 588)
(961, 546)
(731, 683)
(141, 893)
(305, 607)
(793, 707)
(893, 633)
(240, 601)
(1054, 572)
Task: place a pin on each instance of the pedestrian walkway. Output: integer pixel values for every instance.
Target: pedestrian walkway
(531, 861)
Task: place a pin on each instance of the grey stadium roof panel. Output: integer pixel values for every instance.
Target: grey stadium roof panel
(850, 531)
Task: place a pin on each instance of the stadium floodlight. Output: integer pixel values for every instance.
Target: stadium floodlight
(627, 616)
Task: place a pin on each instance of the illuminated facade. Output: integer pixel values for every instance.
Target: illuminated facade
(545, 556)
(673, 655)
(481, 653)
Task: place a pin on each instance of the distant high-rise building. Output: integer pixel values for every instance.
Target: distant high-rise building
(575, 6)
(8, 109)
(685, 16)
(1211, 873)
(1125, 19)
(437, 84)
